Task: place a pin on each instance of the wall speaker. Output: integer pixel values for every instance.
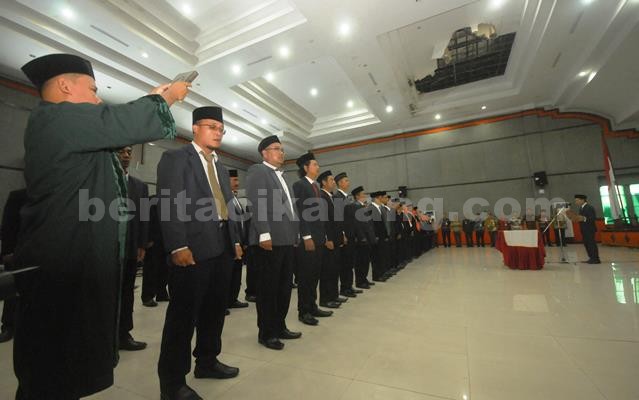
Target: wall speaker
(403, 191)
(540, 178)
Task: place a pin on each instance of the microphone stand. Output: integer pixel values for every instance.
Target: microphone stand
(561, 239)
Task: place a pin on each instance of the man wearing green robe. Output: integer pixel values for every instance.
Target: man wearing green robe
(66, 335)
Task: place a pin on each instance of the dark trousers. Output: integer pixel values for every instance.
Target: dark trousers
(273, 288)
(252, 271)
(154, 273)
(329, 275)
(493, 238)
(469, 239)
(446, 238)
(199, 295)
(458, 241)
(480, 238)
(362, 260)
(236, 281)
(309, 270)
(126, 305)
(560, 236)
(20, 395)
(379, 258)
(347, 263)
(9, 310)
(591, 245)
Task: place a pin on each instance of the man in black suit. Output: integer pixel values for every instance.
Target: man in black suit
(10, 229)
(312, 213)
(345, 219)
(329, 278)
(364, 238)
(195, 196)
(155, 268)
(586, 219)
(380, 249)
(273, 232)
(468, 226)
(240, 220)
(136, 241)
(391, 228)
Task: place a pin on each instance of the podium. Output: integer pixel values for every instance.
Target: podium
(522, 249)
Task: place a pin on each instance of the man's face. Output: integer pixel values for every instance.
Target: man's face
(329, 183)
(81, 89)
(124, 155)
(385, 200)
(208, 133)
(312, 170)
(274, 155)
(361, 197)
(344, 184)
(235, 183)
(579, 202)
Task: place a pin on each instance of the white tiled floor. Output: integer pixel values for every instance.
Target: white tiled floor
(455, 324)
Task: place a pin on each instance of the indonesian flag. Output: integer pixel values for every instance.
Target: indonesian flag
(612, 183)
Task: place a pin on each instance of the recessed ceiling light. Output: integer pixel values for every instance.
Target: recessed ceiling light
(236, 69)
(314, 92)
(235, 105)
(583, 73)
(350, 104)
(344, 29)
(145, 54)
(151, 144)
(586, 2)
(592, 76)
(68, 13)
(264, 121)
(186, 9)
(496, 4)
(269, 77)
(284, 52)
(438, 117)
(389, 108)
(483, 107)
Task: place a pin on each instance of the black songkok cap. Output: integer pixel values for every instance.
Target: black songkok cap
(233, 173)
(305, 158)
(340, 176)
(357, 191)
(581, 196)
(46, 67)
(267, 141)
(207, 113)
(324, 175)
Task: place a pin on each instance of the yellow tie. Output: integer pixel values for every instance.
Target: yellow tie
(215, 187)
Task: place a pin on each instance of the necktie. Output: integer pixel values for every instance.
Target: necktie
(315, 189)
(215, 187)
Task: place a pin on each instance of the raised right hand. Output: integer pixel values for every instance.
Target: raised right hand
(173, 92)
(183, 258)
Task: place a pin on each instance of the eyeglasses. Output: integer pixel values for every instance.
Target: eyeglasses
(214, 128)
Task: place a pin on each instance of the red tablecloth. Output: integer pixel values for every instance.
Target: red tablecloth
(516, 257)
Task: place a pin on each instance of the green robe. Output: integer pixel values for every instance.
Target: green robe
(66, 338)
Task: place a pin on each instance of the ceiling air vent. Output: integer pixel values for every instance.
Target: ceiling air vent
(259, 61)
(105, 33)
(554, 64)
(249, 113)
(370, 75)
(574, 26)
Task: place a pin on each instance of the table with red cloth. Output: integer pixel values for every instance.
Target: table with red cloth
(523, 249)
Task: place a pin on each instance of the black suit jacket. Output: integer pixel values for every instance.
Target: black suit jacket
(312, 211)
(196, 226)
(344, 217)
(11, 220)
(241, 220)
(379, 222)
(589, 225)
(137, 235)
(333, 233)
(363, 231)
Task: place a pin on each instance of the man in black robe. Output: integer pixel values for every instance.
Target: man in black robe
(73, 226)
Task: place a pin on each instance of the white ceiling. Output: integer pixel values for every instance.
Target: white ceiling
(391, 43)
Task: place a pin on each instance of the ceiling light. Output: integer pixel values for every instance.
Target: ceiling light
(583, 73)
(151, 144)
(236, 69)
(314, 92)
(350, 104)
(284, 52)
(235, 105)
(483, 107)
(438, 117)
(269, 77)
(496, 4)
(145, 54)
(264, 121)
(68, 13)
(592, 76)
(186, 9)
(586, 2)
(345, 29)
(389, 108)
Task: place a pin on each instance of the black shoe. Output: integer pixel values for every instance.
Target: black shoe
(370, 283)
(594, 262)
(289, 335)
(308, 319)
(250, 298)
(227, 312)
(330, 304)
(129, 344)
(363, 286)
(183, 393)
(272, 343)
(150, 303)
(319, 313)
(341, 299)
(238, 304)
(380, 279)
(357, 291)
(162, 298)
(217, 371)
(348, 294)
(6, 335)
